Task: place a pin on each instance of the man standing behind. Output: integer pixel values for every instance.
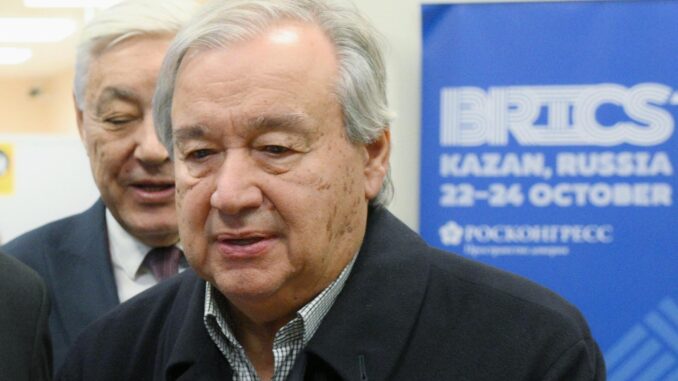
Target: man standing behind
(276, 114)
(95, 260)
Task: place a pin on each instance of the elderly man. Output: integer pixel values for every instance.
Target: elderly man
(276, 115)
(94, 260)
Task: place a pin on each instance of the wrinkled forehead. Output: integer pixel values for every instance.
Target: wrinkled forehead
(128, 70)
(277, 31)
(288, 51)
(284, 76)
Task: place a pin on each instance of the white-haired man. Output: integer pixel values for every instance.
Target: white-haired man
(94, 260)
(276, 115)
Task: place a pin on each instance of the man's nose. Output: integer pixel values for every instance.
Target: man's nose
(149, 149)
(236, 189)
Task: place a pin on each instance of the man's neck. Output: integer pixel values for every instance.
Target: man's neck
(257, 340)
(255, 321)
(279, 308)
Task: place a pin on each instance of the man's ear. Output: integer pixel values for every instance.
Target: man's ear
(78, 119)
(377, 162)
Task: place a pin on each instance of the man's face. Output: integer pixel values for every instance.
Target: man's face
(271, 196)
(130, 166)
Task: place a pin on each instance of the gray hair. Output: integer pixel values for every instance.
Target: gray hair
(121, 22)
(361, 87)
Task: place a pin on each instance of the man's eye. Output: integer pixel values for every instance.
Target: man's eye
(276, 150)
(199, 154)
(118, 121)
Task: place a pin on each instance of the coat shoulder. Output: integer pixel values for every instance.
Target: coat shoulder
(19, 276)
(30, 246)
(152, 307)
(139, 329)
(499, 285)
(503, 313)
(26, 346)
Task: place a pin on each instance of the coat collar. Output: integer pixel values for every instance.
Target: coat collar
(83, 259)
(193, 355)
(372, 318)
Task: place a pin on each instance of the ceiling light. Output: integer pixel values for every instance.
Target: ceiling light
(35, 29)
(14, 56)
(69, 3)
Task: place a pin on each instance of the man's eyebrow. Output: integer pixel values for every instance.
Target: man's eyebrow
(292, 121)
(183, 134)
(111, 93)
(289, 122)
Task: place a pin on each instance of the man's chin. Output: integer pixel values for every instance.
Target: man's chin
(152, 233)
(244, 287)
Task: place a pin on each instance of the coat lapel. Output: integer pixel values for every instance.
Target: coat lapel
(84, 285)
(368, 327)
(193, 355)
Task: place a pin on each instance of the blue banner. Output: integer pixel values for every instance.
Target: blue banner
(549, 150)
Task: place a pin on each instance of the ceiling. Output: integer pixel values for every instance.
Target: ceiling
(48, 58)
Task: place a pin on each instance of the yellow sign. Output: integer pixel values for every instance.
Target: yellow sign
(6, 169)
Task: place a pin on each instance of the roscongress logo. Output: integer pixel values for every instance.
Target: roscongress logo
(556, 115)
(451, 234)
(454, 234)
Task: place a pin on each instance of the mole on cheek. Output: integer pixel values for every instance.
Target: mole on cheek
(320, 184)
(348, 228)
(323, 186)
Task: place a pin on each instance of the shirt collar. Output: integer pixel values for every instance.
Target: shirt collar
(311, 314)
(127, 252)
(314, 311)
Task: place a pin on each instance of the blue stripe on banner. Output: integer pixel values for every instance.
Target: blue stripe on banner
(658, 368)
(673, 376)
(670, 308)
(640, 358)
(625, 345)
(663, 329)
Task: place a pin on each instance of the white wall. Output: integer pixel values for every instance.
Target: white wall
(399, 22)
(51, 180)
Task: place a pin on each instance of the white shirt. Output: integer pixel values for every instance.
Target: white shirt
(127, 255)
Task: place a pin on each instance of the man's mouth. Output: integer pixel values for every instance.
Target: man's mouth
(153, 191)
(242, 241)
(154, 187)
(244, 246)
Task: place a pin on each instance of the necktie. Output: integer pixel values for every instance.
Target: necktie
(163, 261)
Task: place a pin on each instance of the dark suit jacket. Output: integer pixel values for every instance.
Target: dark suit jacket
(407, 312)
(25, 350)
(72, 257)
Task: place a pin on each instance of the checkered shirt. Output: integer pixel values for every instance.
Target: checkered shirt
(288, 341)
